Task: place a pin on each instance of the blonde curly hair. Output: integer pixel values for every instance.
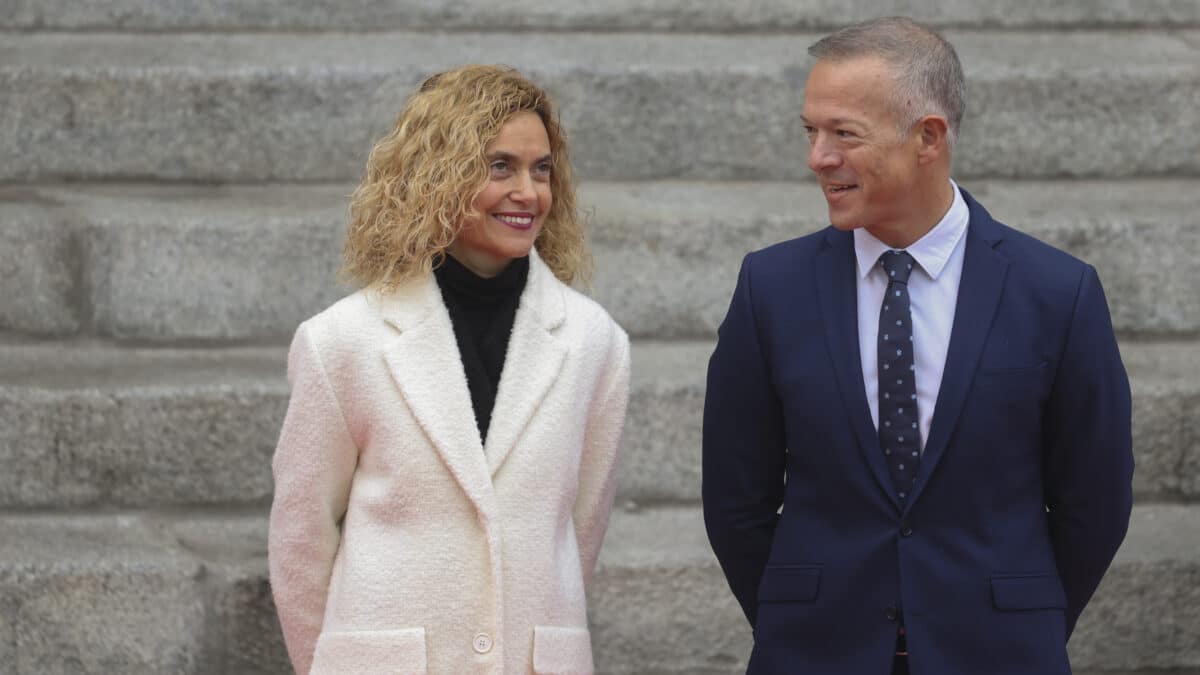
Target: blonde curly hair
(422, 179)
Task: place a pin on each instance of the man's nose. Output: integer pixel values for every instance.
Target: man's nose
(821, 155)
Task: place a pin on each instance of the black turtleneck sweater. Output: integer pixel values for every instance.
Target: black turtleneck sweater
(482, 311)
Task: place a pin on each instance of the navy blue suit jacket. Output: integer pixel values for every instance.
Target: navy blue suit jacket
(1023, 493)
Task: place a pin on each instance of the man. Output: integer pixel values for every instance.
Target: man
(917, 451)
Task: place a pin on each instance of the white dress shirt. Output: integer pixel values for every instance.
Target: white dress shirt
(933, 294)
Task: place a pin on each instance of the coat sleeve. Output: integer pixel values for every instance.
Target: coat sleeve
(598, 466)
(1089, 450)
(313, 466)
(744, 451)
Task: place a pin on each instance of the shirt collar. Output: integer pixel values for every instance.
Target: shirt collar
(931, 251)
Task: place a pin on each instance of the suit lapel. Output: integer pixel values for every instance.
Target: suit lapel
(979, 294)
(837, 290)
(425, 363)
(534, 358)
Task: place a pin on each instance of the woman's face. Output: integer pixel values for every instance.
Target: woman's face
(515, 201)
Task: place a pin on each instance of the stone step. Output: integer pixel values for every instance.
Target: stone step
(136, 594)
(662, 459)
(669, 252)
(305, 107)
(168, 263)
(613, 15)
(656, 573)
(153, 593)
(90, 425)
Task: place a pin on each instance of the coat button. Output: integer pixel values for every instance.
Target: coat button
(891, 613)
(482, 643)
(906, 529)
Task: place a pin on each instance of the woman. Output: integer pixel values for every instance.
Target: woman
(447, 464)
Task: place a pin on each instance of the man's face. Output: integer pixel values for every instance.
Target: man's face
(866, 167)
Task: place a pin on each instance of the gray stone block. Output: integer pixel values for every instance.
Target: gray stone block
(248, 638)
(659, 603)
(1144, 252)
(1143, 617)
(93, 425)
(40, 266)
(98, 600)
(668, 253)
(1165, 431)
(662, 449)
(242, 635)
(1171, 671)
(166, 263)
(221, 274)
(655, 573)
(138, 593)
(86, 425)
(8, 635)
(1146, 613)
(277, 107)
(611, 15)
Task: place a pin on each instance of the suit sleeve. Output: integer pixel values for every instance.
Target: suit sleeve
(744, 451)
(1089, 458)
(313, 466)
(598, 467)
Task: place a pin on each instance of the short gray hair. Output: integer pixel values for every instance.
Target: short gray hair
(928, 72)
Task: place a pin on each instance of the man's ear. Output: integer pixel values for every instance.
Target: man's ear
(933, 133)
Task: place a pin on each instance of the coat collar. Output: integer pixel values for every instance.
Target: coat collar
(424, 361)
(531, 365)
(979, 292)
(834, 268)
(420, 299)
(984, 271)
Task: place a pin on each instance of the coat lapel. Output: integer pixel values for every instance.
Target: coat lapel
(837, 290)
(534, 358)
(979, 294)
(425, 363)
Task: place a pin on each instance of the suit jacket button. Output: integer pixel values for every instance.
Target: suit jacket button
(905, 529)
(891, 613)
(482, 643)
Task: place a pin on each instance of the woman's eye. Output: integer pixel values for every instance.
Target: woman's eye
(544, 169)
(499, 167)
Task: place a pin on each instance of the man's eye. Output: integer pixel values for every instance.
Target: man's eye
(842, 133)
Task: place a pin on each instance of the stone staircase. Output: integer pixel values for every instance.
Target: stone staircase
(173, 187)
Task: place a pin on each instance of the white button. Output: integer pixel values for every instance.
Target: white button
(482, 643)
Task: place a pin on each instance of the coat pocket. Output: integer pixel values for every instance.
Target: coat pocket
(371, 652)
(562, 651)
(1028, 591)
(790, 583)
(986, 370)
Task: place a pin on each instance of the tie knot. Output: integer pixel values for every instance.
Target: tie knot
(897, 265)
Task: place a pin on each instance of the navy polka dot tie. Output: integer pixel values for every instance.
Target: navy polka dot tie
(899, 433)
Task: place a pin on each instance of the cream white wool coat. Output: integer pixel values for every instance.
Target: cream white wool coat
(401, 544)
